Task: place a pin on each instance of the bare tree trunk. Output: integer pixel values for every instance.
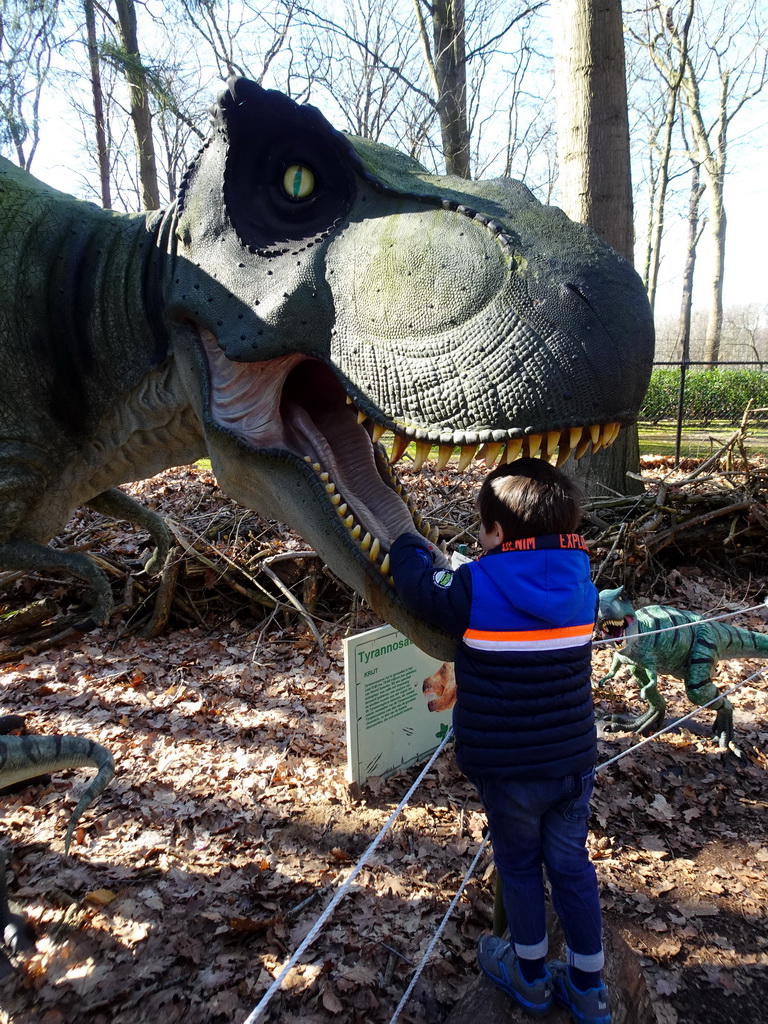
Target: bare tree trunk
(694, 234)
(715, 319)
(139, 100)
(596, 185)
(592, 122)
(448, 71)
(98, 104)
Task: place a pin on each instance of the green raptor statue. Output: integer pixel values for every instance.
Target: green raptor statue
(689, 649)
(23, 758)
(306, 292)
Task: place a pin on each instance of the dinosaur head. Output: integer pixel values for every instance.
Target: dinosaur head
(615, 618)
(328, 294)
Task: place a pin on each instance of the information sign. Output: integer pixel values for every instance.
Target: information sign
(389, 724)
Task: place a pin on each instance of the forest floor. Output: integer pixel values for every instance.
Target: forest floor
(230, 823)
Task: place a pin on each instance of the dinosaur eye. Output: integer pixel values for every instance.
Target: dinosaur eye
(299, 182)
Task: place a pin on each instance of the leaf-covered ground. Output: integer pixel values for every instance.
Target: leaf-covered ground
(229, 822)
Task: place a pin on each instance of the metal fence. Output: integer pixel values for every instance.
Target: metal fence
(700, 439)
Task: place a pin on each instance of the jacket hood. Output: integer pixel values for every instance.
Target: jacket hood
(548, 587)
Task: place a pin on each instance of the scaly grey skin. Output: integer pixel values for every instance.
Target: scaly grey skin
(26, 757)
(305, 292)
(689, 649)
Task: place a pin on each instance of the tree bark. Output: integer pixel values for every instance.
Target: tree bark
(98, 104)
(448, 70)
(592, 121)
(138, 93)
(596, 184)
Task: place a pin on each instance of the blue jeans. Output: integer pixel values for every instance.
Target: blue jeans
(545, 823)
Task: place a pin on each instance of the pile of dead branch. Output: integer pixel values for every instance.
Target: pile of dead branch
(710, 511)
(228, 564)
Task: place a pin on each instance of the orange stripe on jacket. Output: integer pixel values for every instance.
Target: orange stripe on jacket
(531, 634)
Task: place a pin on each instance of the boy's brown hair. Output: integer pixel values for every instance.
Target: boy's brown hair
(528, 498)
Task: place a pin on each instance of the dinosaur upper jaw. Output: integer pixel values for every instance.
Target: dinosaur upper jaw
(297, 410)
(616, 630)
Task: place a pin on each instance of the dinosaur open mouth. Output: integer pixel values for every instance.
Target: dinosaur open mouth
(298, 405)
(615, 630)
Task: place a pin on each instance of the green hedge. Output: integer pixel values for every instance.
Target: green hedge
(709, 395)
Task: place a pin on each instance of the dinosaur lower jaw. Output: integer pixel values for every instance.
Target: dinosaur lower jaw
(298, 406)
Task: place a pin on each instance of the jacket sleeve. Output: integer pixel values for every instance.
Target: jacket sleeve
(440, 596)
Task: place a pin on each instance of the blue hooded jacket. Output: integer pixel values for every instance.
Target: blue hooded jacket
(524, 615)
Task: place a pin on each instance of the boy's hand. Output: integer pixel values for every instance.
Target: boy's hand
(443, 684)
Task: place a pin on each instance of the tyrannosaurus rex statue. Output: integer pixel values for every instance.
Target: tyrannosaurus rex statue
(306, 292)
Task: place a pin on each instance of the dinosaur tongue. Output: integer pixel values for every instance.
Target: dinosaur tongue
(345, 452)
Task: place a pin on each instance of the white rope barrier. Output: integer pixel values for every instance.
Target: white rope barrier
(439, 932)
(343, 890)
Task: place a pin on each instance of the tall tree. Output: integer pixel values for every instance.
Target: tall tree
(725, 70)
(27, 42)
(100, 127)
(595, 179)
(138, 94)
(447, 65)
(592, 122)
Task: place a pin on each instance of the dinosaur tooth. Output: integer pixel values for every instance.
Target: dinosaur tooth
(423, 449)
(377, 432)
(563, 454)
(384, 567)
(356, 531)
(325, 477)
(342, 509)
(373, 554)
(583, 444)
(434, 535)
(594, 433)
(365, 543)
(349, 522)
(467, 454)
(490, 452)
(399, 445)
(514, 448)
(361, 417)
(574, 436)
(330, 487)
(534, 444)
(443, 455)
(336, 499)
(553, 440)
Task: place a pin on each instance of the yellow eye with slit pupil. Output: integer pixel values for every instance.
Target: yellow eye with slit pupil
(299, 181)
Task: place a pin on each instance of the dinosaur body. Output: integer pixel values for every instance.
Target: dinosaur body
(688, 649)
(306, 292)
(26, 757)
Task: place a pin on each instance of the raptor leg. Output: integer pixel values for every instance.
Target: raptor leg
(119, 505)
(701, 690)
(651, 718)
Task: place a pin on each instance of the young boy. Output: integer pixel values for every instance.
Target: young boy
(524, 722)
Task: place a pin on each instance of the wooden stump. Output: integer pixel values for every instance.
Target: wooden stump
(628, 993)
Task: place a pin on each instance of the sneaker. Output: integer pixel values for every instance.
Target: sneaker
(590, 1007)
(498, 962)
